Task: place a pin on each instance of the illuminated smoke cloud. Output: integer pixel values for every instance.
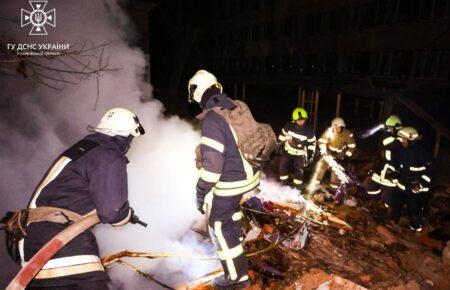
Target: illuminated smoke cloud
(37, 123)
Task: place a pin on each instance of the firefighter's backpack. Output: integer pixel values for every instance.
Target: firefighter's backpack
(256, 141)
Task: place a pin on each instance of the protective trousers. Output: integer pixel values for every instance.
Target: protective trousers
(413, 203)
(322, 168)
(225, 224)
(291, 164)
(377, 191)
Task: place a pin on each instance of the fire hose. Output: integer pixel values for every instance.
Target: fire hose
(32, 267)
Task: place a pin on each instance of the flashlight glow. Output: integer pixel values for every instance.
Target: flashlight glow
(373, 130)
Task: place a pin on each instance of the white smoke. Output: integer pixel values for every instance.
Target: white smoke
(38, 123)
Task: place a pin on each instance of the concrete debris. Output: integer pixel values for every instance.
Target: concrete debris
(411, 285)
(365, 278)
(350, 202)
(317, 279)
(347, 246)
(388, 237)
(298, 242)
(253, 234)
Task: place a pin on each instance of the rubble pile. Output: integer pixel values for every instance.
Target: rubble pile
(294, 244)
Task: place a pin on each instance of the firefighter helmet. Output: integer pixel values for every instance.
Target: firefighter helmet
(338, 122)
(120, 122)
(393, 121)
(409, 133)
(199, 83)
(299, 113)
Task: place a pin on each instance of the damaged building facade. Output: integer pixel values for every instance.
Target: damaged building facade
(361, 59)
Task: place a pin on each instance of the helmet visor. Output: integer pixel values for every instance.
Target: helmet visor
(139, 126)
(192, 89)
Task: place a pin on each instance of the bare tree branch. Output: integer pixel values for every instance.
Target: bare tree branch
(57, 69)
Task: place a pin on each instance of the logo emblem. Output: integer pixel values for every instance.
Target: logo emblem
(38, 18)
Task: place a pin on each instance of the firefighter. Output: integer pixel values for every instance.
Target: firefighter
(337, 142)
(382, 178)
(224, 176)
(299, 147)
(91, 175)
(413, 166)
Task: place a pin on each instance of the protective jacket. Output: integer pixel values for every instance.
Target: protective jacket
(299, 149)
(413, 166)
(223, 169)
(338, 145)
(385, 174)
(225, 176)
(298, 140)
(95, 181)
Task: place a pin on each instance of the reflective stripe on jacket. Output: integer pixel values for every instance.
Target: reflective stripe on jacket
(223, 168)
(298, 140)
(338, 145)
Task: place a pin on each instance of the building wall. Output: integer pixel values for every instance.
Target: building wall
(384, 39)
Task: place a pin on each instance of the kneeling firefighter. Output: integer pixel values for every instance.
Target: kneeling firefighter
(299, 147)
(226, 172)
(89, 176)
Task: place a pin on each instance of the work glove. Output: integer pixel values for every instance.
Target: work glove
(416, 187)
(200, 203)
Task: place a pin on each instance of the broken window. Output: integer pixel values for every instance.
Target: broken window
(401, 64)
(426, 9)
(355, 17)
(381, 12)
(362, 64)
(313, 23)
(419, 61)
(330, 63)
(431, 64)
(256, 33)
(344, 16)
(368, 14)
(311, 64)
(268, 31)
(444, 65)
(408, 11)
(392, 9)
(309, 24)
(287, 64)
(290, 26)
(440, 7)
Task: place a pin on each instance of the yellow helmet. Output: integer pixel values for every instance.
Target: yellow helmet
(393, 121)
(299, 113)
(409, 133)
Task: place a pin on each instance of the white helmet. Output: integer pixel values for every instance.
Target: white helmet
(338, 122)
(199, 83)
(120, 122)
(409, 133)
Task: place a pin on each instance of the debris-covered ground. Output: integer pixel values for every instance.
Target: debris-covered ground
(294, 243)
